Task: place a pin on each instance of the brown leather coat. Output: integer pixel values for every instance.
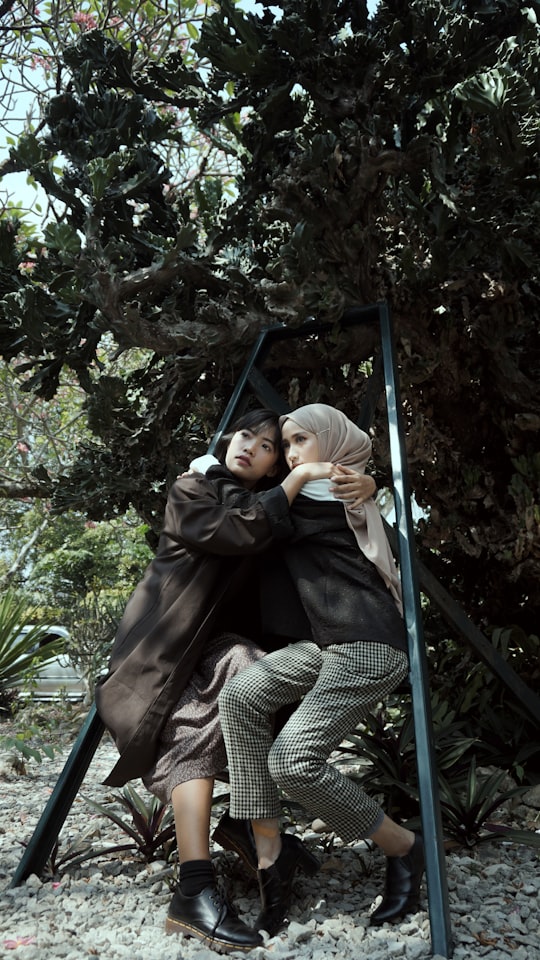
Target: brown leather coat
(211, 524)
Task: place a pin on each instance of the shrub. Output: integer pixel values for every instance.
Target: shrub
(20, 651)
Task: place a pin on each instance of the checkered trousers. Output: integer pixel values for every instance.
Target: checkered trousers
(339, 685)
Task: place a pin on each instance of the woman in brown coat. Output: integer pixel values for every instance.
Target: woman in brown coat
(178, 643)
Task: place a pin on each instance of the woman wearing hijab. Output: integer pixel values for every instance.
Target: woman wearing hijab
(348, 653)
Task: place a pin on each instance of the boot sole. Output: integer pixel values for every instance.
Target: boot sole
(413, 907)
(220, 946)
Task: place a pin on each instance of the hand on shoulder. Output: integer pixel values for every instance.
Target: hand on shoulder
(351, 486)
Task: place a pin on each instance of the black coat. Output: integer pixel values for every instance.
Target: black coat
(211, 525)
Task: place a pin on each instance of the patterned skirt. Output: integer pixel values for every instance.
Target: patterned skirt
(191, 744)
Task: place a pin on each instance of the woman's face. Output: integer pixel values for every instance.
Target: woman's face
(252, 455)
(299, 446)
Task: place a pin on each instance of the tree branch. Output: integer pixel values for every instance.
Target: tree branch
(23, 553)
(25, 491)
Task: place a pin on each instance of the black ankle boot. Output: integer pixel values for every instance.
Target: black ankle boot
(237, 835)
(275, 882)
(403, 879)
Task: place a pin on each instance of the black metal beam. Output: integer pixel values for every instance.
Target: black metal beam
(457, 618)
(259, 351)
(45, 835)
(437, 885)
(265, 392)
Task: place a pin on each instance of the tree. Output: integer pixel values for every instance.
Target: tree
(39, 438)
(58, 561)
(388, 156)
(31, 46)
(36, 440)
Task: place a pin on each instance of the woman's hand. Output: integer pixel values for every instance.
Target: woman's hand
(314, 471)
(303, 473)
(352, 487)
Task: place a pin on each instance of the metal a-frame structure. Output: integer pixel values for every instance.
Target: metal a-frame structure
(401, 536)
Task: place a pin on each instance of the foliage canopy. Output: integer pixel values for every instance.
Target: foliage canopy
(388, 156)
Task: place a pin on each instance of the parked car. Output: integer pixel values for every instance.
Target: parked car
(56, 679)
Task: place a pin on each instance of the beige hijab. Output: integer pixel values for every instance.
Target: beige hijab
(341, 441)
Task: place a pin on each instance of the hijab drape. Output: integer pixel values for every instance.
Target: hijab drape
(341, 441)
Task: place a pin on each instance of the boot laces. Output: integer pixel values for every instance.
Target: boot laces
(223, 905)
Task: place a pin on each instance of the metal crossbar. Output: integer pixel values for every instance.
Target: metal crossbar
(54, 814)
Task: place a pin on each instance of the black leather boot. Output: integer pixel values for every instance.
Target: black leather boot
(402, 889)
(209, 917)
(237, 835)
(275, 882)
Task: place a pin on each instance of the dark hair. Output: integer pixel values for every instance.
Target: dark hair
(255, 420)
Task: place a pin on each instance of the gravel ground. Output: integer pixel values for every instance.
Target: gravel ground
(114, 908)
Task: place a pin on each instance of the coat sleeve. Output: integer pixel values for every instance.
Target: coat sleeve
(198, 516)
